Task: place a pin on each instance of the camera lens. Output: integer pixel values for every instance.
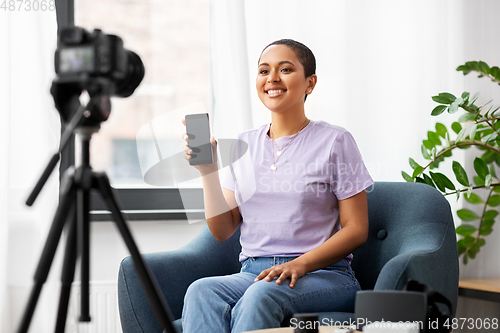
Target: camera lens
(133, 76)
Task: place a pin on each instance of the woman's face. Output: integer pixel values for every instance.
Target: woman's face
(281, 83)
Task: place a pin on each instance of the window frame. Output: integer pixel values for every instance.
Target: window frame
(137, 204)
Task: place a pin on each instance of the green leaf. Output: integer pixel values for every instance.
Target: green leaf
(472, 132)
(460, 173)
(474, 199)
(428, 144)
(465, 95)
(456, 127)
(469, 241)
(455, 105)
(492, 170)
(461, 247)
(441, 130)
(489, 137)
(484, 67)
(437, 181)
(487, 181)
(461, 135)
(438, 110)
(420, 180)
(406, 176)
(434, 138)
(465, 258)
(478, 181)
(428, 180)
(490, 214)
(465, 230)
(469, 191)
(467, 215)
(445, 181)
(488, 157)
(413, 164)
(481, 167)
(444, 98)
(418, 170)
(425, 153)
(467, 117)
(485, 231)
(494, 200)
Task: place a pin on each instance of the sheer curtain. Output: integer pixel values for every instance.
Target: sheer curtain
(29, 135)
(378, 64)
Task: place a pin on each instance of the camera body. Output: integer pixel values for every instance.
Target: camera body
(95, 54)
(84, 57)
(95, 62)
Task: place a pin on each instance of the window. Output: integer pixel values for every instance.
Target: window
(172, 39)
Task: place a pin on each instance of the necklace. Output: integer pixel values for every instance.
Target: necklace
(282, 150)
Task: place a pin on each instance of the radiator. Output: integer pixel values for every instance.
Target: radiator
(103, 309)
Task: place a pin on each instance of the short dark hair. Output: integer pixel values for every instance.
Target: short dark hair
(305, 55)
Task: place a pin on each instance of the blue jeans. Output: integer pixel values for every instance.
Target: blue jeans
(235, 303)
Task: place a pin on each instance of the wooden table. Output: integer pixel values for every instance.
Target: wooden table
(486, 288)
(290, 330)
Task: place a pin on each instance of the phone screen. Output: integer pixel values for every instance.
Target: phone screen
(198, 130)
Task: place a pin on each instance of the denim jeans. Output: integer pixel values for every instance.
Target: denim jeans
(235, 303)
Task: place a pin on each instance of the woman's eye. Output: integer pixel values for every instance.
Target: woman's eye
(263, 71)
(286, 69)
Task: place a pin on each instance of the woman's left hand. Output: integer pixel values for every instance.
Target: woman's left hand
(291, 269)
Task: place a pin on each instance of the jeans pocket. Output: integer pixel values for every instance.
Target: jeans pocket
(244, 265)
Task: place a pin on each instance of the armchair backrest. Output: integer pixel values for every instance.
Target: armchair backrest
(405, 217)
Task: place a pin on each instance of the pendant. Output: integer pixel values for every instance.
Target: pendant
(273, 167)
(279, 153)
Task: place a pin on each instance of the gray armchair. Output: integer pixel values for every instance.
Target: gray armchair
(411, 236)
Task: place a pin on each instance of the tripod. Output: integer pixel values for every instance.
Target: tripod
(74, 212)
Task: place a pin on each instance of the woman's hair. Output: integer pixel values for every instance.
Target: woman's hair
(305, 55)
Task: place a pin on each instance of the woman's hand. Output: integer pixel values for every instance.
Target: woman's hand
(204, 169)
(291, 269)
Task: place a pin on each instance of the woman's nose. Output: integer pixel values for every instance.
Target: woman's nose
(273, 77)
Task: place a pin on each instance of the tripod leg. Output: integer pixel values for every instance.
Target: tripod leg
(66, 203)
(156, 299)
(68, 273)
(83, 222)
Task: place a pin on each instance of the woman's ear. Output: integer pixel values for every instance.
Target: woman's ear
(311, 83)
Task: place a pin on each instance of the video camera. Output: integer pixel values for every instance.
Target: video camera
(95, 62)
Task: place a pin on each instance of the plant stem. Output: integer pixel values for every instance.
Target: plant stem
(481, 221)
(478, 112)
(474, 187)
(462, 144)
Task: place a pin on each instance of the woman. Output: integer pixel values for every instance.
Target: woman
(304, 215)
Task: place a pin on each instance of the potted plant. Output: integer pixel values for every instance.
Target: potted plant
(483, 131)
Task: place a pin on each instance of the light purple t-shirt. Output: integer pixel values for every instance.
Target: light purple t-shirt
(294, 209)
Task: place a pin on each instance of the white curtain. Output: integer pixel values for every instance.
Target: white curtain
(29, 135)
(378, 64)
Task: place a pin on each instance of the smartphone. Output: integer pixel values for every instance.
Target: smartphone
(198, 131)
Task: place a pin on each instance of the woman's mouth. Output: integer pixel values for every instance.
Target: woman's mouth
(275, 92)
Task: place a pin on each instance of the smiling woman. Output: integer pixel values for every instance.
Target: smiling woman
(295, 242)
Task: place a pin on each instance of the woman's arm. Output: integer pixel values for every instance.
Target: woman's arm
(221, 210)
(353, 214)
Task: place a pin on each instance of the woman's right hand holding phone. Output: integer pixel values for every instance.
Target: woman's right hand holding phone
(206, 168)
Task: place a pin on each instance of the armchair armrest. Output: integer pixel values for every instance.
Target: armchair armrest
(421, 259)
(174, 272)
